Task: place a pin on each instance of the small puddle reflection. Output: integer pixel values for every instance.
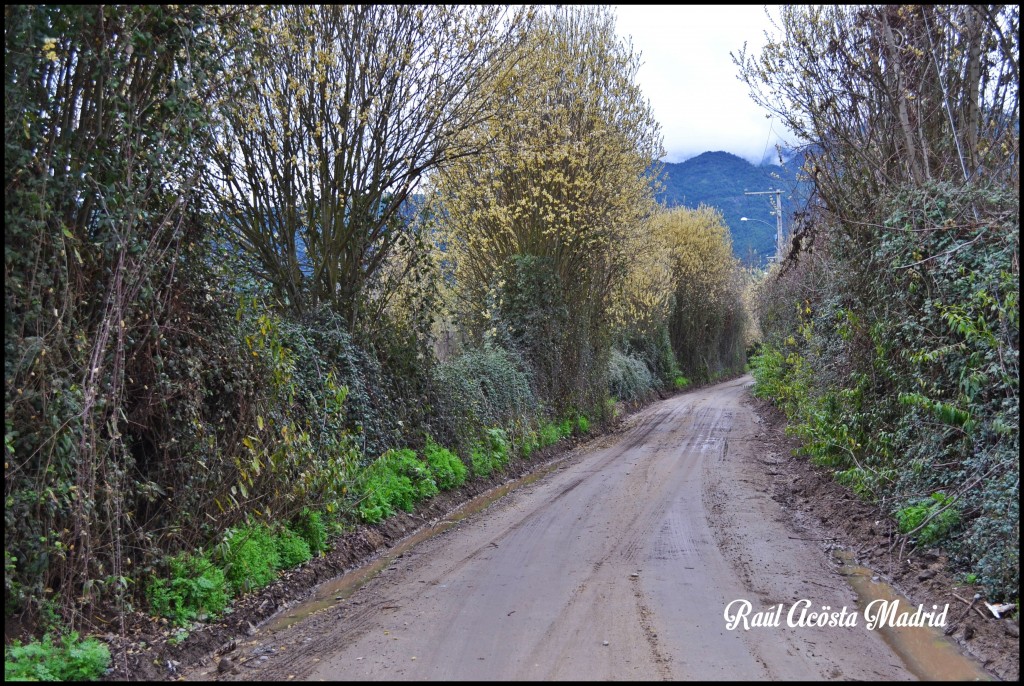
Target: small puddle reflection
(332, 592)
(924, 649)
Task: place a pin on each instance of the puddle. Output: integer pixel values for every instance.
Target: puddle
(924, 649)
(340, 588)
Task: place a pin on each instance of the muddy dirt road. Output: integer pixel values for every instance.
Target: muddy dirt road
(617, 565)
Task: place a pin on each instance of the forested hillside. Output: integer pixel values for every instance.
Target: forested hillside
(892, 332)
(230, 337)
(720, 179)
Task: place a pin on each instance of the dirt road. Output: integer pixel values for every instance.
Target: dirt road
(618, 565)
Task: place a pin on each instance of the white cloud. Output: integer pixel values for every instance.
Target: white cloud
(691, 81)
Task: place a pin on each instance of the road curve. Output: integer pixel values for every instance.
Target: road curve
(618, 565)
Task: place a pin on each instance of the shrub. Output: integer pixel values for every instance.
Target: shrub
(309, 524)
(292, 549)
(396, 479)
(69, 660)
(490, 453)
(483, 388)
(655, 350)
(911, 517)
(445, 466)
(250, 558)
(680, 382)
(196, 589)
(582, 425)
(629, 379)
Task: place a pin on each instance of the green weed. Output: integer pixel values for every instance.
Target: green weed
(490, 453)
(196, 589)
(548, 434)
(251, 558)
(69, 660)
(292, 549)
(445, 466)
(582, 425)
(480, 461)
(528, 443)
(310, 525)
(396, 480)
(913, 516)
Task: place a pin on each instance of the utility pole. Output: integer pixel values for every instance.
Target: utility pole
(778, 219)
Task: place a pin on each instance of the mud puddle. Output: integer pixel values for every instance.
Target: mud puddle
(339, 589)
(924, 649)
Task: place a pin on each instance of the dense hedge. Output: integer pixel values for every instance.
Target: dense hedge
(484, 388)
(902, 373)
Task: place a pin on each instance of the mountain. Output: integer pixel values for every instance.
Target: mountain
(719, 179)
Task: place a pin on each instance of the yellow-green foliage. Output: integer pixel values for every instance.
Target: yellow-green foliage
(564, 180)
(708, 321)
(565, 173)
(643, 296)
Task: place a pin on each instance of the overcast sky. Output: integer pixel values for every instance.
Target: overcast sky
(690, 79)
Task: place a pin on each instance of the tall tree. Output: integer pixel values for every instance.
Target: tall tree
(536, 224)
(886, 93)
(332, 118)
(708, 319)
